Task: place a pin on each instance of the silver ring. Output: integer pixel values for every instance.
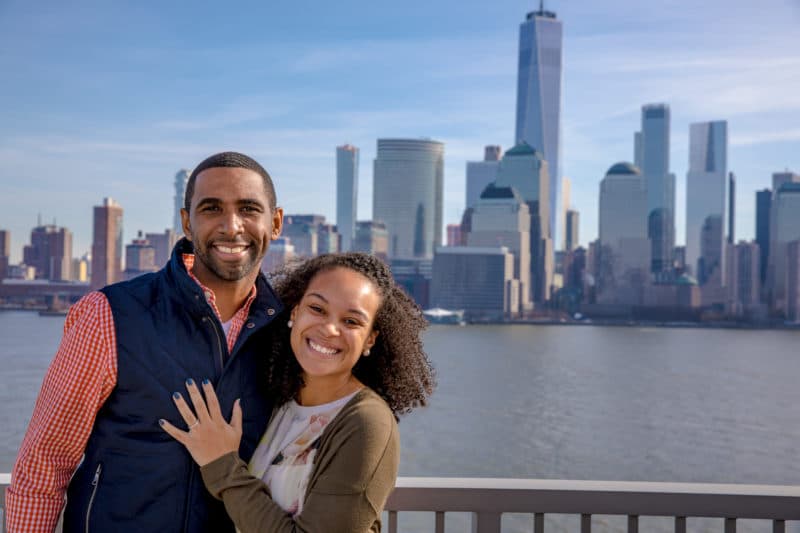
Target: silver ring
(193, 425)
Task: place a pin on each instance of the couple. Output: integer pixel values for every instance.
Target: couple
(205, 364)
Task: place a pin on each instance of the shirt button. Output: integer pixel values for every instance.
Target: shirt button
(250, 325)
(270, 311)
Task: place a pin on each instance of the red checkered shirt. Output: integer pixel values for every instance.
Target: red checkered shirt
(78, 382)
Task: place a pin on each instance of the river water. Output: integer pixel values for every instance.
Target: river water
(566, 402)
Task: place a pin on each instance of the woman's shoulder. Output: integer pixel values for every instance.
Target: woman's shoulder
(369, 413)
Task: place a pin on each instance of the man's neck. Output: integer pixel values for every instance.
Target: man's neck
(229, 296)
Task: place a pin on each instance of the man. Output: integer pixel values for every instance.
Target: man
(129, 347)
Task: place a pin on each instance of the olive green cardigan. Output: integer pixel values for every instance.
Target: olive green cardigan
(354, 473)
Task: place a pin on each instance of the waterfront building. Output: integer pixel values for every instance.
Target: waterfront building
(181, 178)
(539, 103)
(571, 230)
(346, 193)
(454, 235)
(414, 275)
(705, 204)
(106, 244)
(408, 183)
(743, 283)
(163, 243)
(280, 251)
(791, 306)
(502, 218)
(81, 268)
(784, 228)
(623, 264)
(652, 159)
(566, 191)
(763, 207)
(329, 240)
(372, 238)
(304, 233)
(140, 258)
(50, 252)
(787, 176)
(525, 169)
(482, 173)
(5, 253)
(731, 208)
(478, 280)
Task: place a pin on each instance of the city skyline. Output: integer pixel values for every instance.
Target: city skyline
(103, 114)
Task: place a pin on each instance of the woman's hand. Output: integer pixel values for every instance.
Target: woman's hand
(209, 436)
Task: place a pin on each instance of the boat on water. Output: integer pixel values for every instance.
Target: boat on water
(437, 315)
(53, 312)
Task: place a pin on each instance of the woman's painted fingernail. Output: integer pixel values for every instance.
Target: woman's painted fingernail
(190, 382)
(206, 381)
(176, 395)
(161, 422)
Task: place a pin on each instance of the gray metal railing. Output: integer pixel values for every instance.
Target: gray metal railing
(487, 499)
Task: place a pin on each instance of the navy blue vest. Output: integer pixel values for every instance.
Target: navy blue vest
(135, 477)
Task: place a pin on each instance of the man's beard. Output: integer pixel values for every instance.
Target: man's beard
(228, 272)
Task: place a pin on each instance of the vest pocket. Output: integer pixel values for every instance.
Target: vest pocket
(95, 485)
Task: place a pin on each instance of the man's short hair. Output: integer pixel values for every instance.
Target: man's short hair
(230, 160)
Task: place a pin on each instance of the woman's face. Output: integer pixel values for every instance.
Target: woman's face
(333, 323)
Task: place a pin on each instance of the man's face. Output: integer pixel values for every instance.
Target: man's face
(230, 225)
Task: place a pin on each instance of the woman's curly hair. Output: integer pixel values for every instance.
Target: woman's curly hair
(397, 369)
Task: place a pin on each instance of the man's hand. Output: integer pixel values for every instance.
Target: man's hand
(209, 436)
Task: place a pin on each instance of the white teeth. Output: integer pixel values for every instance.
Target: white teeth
(230, 250)
(321, 349)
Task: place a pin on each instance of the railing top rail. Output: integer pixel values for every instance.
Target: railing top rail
(491, 495)
(570, 485)
(5, 479)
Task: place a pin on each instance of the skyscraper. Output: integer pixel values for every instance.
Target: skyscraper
(571, 230)
(763, 205)
(106, 244)
(140, 258)
(784, 228)
(539, 88)
(624, 254)
(482, 173)
(524, 169)
(731, 207)
(502, 218)
(5, 252)
(705, 201)
(346, 193)
(180, 189)
(50, 252)
(652, 157)
(408, 182)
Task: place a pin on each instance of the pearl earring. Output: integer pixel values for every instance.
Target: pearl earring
(290, 323)
(366, 352)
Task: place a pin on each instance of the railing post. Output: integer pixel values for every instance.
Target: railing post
(680, 524)
(485, 522)
(633, 524)
(586, 523)
(730, 525)
(439, 521)
(392, 521)
(778, 526)
(538, 523)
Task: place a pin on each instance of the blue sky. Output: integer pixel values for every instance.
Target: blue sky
(112, 98)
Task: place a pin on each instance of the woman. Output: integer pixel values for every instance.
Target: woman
(345, 364)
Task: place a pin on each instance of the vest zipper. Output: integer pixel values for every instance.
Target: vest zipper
(95, 483)
(219, 342)
(188, 497)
